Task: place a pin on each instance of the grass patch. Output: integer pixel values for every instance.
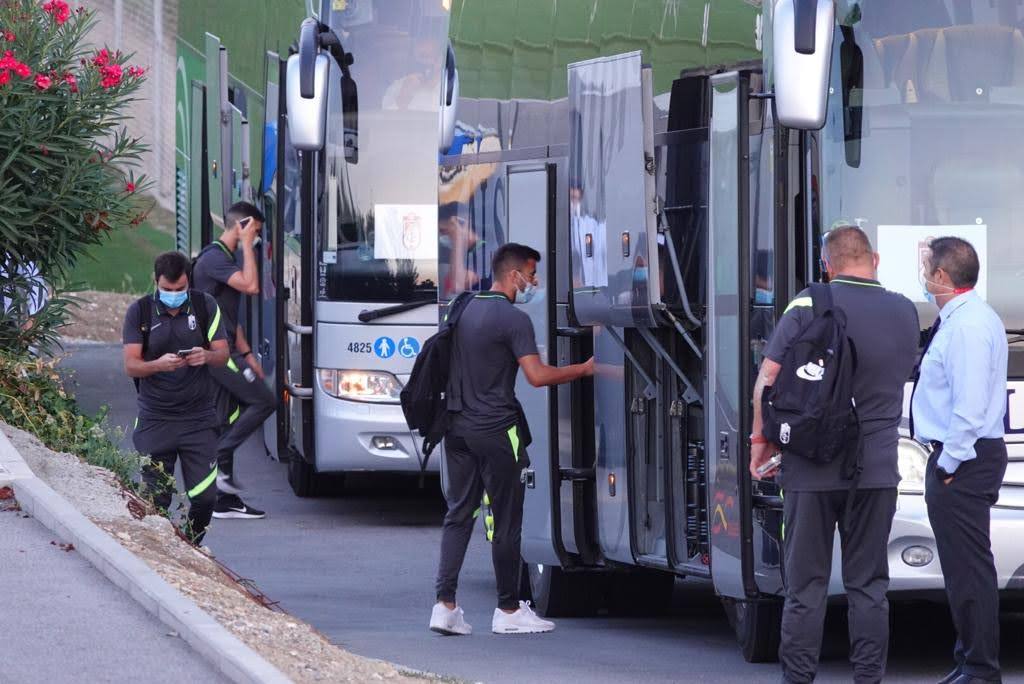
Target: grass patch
(124, 263)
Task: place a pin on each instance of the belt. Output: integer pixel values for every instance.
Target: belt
(936, 445)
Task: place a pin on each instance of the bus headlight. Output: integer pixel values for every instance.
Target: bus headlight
(357, 385)
(913, 459)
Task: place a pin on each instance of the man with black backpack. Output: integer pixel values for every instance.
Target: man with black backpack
(243, 401)
(829, 397)
(171, 339)
(485, 432)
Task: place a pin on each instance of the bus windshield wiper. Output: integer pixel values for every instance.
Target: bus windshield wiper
(374, 314)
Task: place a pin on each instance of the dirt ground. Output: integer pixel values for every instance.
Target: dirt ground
(99, 316)
(297, 649)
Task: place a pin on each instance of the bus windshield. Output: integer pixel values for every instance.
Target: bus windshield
(925, 138)
(378, 236)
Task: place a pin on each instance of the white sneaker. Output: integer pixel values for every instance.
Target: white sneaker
(523, 621)
(448, 622)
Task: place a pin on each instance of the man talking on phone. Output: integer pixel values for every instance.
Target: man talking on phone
(171, 340)
(243, 400)
(883, 329)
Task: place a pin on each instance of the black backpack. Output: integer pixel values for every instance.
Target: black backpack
(810, 411)
(218, 288)
(425, 396)
(198, 303)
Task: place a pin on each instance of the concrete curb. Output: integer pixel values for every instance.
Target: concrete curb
(228, 654)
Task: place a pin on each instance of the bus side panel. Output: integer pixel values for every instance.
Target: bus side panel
(610, 403)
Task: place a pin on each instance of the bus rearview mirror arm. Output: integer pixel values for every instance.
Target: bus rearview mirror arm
(801, 61)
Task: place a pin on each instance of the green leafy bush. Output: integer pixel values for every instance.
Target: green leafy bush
(32, 398)
(65, 158)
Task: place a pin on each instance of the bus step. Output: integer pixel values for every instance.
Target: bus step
(767, 501)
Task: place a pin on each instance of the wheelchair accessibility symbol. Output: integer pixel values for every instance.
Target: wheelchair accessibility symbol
(384, 347)
(408, 347)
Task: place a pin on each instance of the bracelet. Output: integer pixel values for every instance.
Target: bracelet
(247, 353)
(758, 439)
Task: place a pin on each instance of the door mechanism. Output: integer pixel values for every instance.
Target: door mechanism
(723, 445)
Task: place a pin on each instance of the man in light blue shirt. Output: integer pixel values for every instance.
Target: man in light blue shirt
(958, 405)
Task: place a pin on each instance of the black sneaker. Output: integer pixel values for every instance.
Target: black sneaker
(234, 507)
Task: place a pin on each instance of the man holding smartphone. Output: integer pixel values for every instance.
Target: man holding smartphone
(171, 340)
(243, 400)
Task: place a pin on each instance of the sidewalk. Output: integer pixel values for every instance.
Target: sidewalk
(64, 622)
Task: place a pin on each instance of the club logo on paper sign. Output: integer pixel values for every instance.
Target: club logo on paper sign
(811, 371)
(384, 347)
(411, 232)
(408, 347)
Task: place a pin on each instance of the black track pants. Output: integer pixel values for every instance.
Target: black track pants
(960, 514)
(167, 441)
(472, 464)
(242, 406)
(811, 519)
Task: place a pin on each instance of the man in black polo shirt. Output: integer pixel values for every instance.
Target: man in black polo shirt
(884, 329)
(485, 447)
(176, 410)
(243, 400)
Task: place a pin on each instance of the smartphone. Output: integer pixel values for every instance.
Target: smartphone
(182, 353)
(245, 222)
(770, 465)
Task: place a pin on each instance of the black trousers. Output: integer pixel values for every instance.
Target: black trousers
(165, 441)
(474, 463)
(960, 514)
(242, 406)
(811, 519)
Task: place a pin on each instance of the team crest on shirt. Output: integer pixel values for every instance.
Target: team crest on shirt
(191, 322)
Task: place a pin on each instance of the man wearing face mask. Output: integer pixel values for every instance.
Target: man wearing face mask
(171, 339)
(485, 446)
(958, 406)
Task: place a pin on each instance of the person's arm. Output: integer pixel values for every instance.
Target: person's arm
(966, 363)
(247, 281)
(761, 452)
(136, 367)
(242, 347)
(540, 374)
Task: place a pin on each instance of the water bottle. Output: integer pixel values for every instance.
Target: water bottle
(249, 374)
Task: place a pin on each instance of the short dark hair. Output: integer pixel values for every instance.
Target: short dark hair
(510, 257)
(845, 245)
(240, 210)
(450, 209)
(956, 257)
(170, 265)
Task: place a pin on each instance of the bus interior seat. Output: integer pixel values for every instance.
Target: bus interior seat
(966, 62)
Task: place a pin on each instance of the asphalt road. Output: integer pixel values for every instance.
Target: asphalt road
(359, 564)
(55, 602)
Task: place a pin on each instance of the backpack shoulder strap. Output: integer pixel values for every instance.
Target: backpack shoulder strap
(821, 298)
(198, 300)
(456, 308)
(145, 320)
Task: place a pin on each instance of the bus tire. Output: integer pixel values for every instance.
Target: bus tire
(302, 476)
(557, 593)
(758, 627)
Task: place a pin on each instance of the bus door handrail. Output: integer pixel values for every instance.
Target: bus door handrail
(299, 329)
(299, 392)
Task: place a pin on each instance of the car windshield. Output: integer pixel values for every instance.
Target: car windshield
(925, 138)
(379, 229)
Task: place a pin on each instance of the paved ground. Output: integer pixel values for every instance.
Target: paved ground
(53, 602)
(359, 566)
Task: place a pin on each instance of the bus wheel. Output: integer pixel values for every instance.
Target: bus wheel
(557, 593)
(758, 627)
(302, 476)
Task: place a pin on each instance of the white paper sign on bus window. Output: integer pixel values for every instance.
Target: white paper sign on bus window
(405, 231)
(902, 250)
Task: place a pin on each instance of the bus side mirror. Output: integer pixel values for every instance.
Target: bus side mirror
(307, 91)
(801, 59)
(449, 102)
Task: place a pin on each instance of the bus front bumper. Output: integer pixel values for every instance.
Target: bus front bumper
(912, 542)
(354, 436)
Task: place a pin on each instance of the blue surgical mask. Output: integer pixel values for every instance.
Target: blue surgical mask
(173, 300)
(525, 295)
(929, 296)
(763, 296)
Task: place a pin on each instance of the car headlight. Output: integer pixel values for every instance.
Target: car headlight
(357, 385)
(913, 459)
